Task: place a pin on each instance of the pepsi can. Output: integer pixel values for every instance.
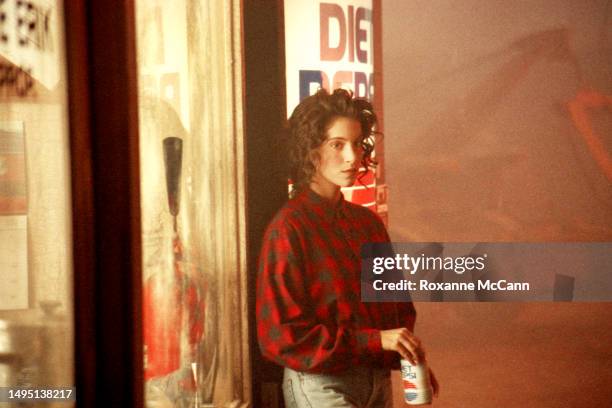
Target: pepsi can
(416, 383)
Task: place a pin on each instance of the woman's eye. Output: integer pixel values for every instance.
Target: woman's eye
(336, 145)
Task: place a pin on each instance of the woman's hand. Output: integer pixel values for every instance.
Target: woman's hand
(404, 342)
(434, 383)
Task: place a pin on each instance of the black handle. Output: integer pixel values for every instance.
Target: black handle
(173, 159)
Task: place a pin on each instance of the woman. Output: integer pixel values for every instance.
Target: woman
(337, 351)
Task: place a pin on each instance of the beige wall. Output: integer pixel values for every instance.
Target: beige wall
(480, 146)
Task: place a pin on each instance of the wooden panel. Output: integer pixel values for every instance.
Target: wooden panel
(104, 150)
(265, 114)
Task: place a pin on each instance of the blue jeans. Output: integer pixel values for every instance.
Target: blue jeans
(359, 387)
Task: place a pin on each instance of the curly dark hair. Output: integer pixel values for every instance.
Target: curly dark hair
(308, 125)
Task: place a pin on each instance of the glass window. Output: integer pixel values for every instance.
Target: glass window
(193, 223)
(36, 330)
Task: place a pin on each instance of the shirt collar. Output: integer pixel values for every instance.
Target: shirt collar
(322, 206)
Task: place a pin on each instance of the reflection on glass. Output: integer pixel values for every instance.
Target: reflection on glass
(193, 222)
(179, 335)
(36, 331)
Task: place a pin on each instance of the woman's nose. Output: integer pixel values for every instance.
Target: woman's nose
(353, 153)
(350, 154)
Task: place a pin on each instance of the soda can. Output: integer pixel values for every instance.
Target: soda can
(416, 382)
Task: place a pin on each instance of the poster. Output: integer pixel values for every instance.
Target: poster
(13, 218)
(331, 45)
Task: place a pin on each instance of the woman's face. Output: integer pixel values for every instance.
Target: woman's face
(339, 156)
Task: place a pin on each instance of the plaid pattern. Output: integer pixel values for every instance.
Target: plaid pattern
(309, 314)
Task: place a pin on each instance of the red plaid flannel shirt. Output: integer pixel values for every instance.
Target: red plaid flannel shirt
(309, 313)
